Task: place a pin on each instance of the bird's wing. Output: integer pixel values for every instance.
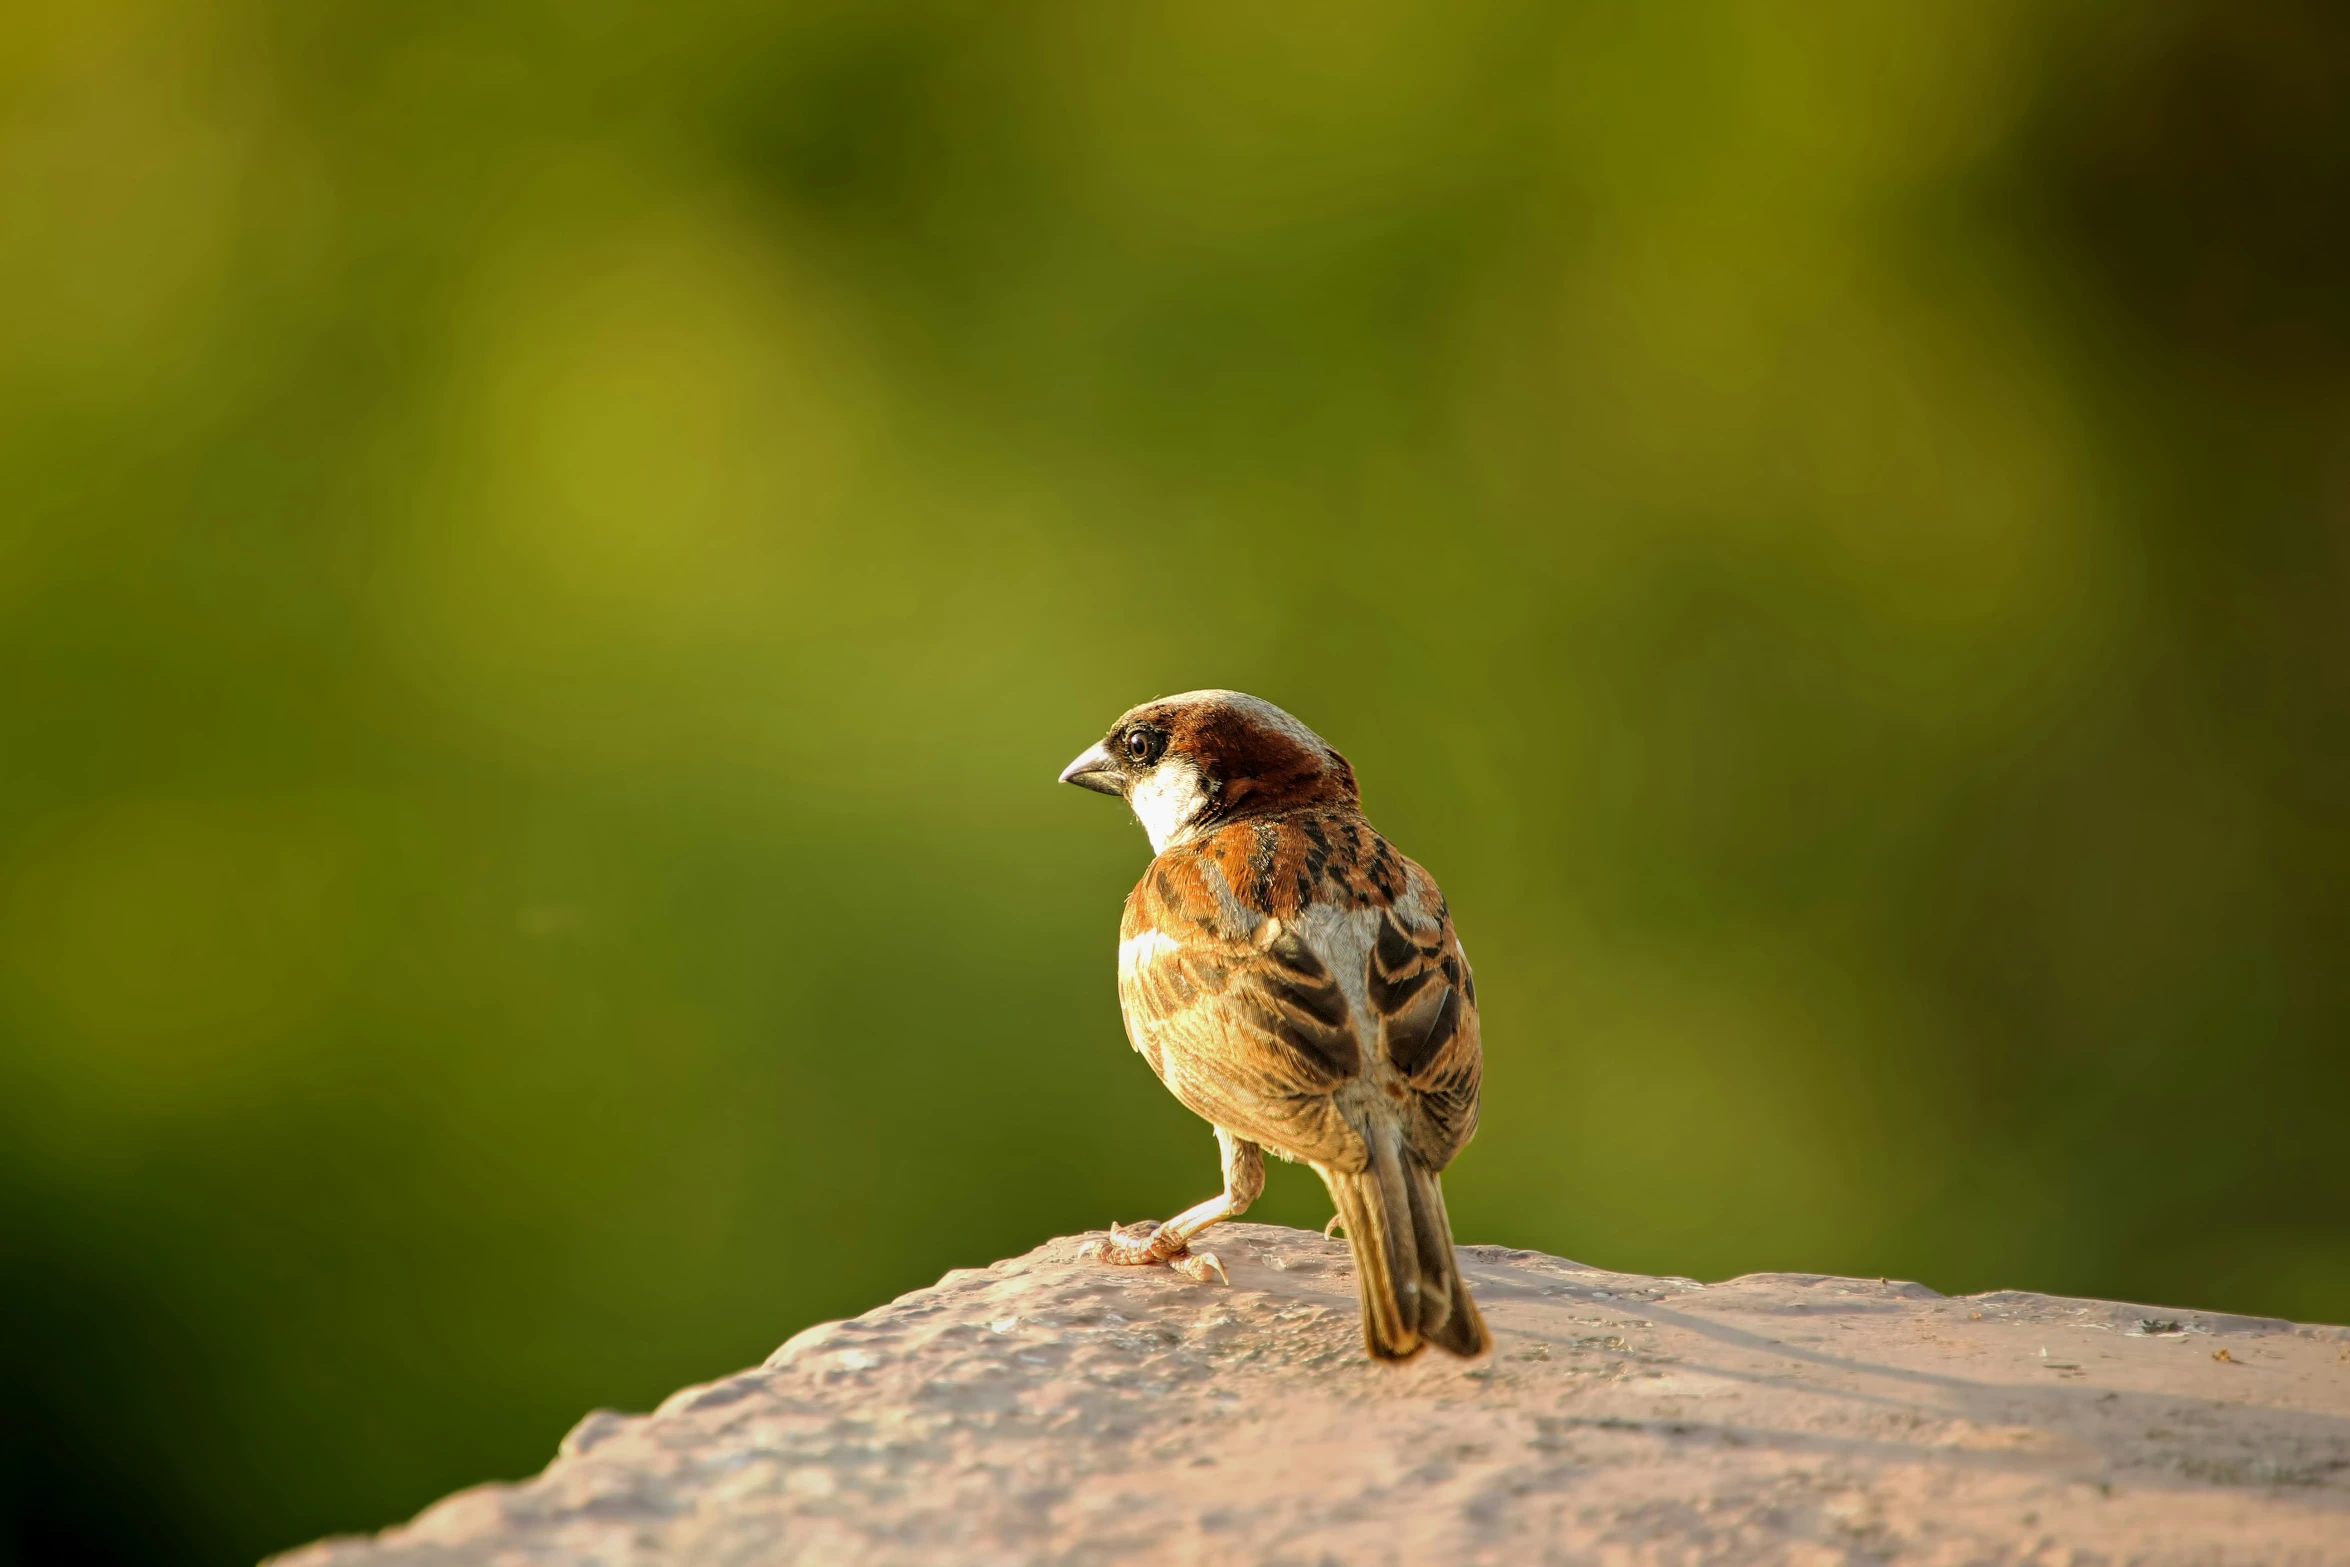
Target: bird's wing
(1242, 1020)
(1426, 1001)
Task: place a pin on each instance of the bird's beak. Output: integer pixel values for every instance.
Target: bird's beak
(1094, 770)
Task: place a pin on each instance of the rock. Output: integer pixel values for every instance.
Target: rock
(1053, 1410)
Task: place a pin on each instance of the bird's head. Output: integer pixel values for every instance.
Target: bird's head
(1186, 763)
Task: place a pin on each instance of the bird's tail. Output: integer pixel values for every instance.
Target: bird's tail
(1411, 1288)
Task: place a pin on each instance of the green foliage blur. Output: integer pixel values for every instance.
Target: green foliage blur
(550, 555)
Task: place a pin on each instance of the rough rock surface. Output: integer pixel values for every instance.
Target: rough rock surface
(1052, 1410)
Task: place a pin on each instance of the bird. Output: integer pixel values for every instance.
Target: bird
(1295, 981)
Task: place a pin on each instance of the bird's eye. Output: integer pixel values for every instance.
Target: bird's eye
(1144, 745)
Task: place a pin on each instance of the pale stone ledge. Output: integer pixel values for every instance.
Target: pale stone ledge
(1049, 1410)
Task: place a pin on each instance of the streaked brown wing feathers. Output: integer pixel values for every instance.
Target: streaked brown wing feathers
(1260, 1049)
(1426, 999)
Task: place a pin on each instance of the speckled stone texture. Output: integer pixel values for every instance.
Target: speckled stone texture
(1050, 1410)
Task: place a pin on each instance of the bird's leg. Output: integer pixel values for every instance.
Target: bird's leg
(1170, 1243)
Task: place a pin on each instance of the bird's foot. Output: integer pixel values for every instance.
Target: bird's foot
(1133, 1245)
(1143, 1244)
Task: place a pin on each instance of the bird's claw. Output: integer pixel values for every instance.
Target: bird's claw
(1141, 1245)
(1126, 1246)
(1198, 1266)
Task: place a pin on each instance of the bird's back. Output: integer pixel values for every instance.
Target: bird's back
(1294, 978)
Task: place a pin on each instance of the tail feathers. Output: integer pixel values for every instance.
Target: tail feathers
(1448, 1317)
(1410, 1284)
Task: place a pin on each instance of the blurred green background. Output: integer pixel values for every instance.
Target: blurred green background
(549, 556)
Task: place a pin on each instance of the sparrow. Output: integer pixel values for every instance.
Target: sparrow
(1295, 981)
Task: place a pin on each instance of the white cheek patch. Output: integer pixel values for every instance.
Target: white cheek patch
(1140, 952)
(1166, 801)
